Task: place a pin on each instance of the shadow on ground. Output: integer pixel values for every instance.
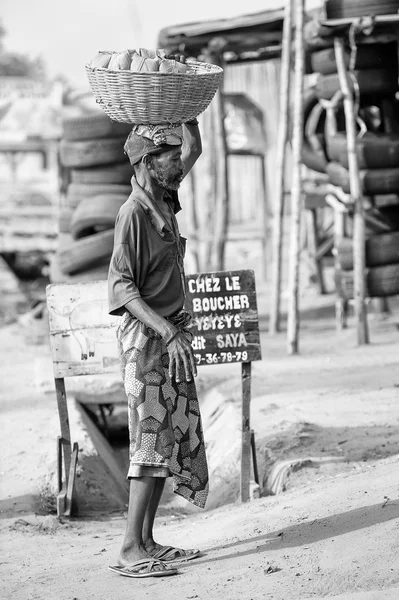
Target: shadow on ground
(310, 532)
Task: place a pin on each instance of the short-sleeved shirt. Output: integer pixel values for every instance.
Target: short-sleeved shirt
(147, 260)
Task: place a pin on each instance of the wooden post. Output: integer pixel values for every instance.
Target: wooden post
(296, 188)
(359, 228)
(220, 164)
(341, 305)
(278, 208)
(192, 221)
(246, 431)
(265, 217)
(64, 424)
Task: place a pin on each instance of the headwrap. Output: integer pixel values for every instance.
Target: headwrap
(152, 139)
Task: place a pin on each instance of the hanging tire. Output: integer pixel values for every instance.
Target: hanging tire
(344, 9)
(368, 56)
(79, 191)
(107, 174)
(96, 273)
(369, 82)
(98, 211)
(373, 181)
(382, 249)
(86, 253)
(374, 151)
(89, 127)
(92, 152)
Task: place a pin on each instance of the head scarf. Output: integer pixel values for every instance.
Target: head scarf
(152, 139)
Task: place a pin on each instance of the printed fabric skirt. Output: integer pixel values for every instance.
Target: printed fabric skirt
(165, 426)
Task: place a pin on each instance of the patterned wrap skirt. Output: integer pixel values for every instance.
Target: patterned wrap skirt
(165, 427)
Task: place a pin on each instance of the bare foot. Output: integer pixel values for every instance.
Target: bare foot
(131, 554)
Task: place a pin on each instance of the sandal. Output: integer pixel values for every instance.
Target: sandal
(144, 568)
(169, 554)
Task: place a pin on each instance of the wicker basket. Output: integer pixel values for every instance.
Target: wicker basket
(142, 97)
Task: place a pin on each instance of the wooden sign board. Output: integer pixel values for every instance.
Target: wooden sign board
(82, 333)
(225, 323)
(225, 317)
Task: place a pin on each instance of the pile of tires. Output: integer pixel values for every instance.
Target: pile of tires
(382, 264)
(374, 81)
(99, 174)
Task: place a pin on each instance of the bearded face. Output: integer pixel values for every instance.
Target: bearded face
(167, 169)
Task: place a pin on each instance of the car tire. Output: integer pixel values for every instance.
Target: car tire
(368, 56)
(86, 253)
(373, 181)
(370, 82)
(383, 281)
(79, 191)
(374, 151)
(93, 126)
(381, 250)
(380, 282)
(344, 9)
(98, 211)
(96, 273)
(120, 174)
(64, 220)
(88, 153)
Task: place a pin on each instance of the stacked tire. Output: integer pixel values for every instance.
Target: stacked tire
(374, 82)
(99, 174)
(382, 266)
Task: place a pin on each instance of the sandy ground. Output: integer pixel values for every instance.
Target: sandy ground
(333, 533)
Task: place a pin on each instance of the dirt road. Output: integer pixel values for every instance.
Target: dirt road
(333, 534)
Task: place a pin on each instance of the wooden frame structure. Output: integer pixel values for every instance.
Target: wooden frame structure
(83, 342)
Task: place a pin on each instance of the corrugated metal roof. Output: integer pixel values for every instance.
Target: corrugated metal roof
(268, 19)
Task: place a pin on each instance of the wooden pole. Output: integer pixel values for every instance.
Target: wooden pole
(359, 227)
(278, 209)
(246, 431)
(296, 188)
(220, 163)
(192, 221)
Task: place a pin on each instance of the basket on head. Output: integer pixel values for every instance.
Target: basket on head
(142, 97)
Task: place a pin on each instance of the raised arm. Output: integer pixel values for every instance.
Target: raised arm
(192, 146)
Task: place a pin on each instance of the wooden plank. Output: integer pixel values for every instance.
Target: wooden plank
(246, 432)
(71, 481)
(278, 208)
(59, 463)
(61, 502)
(296, 188)
(359, 226)
(64, 423)
(82, 333)
(254, 457)
(106, 453)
